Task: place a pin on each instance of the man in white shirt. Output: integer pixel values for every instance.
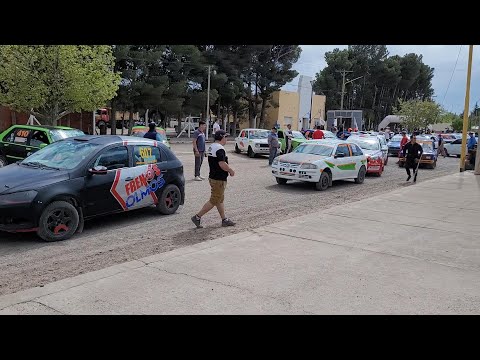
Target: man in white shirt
(216, 127)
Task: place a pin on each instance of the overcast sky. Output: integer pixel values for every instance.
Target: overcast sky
(441, 57)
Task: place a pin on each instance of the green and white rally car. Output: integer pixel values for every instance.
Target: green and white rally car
(321, 162)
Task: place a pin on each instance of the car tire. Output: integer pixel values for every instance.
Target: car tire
(237, 149)
(3, 161)
(361, 175)
(170, 200)
(250, 152)
(446, 153)
(458, 156)
(324, 182)
(281, 181)
(434, 165)
(59, 221)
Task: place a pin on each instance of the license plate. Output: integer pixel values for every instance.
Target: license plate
(374, 168)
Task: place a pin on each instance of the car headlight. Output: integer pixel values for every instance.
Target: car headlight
(308, 166)
(18, 198)
(257, 145)
(275, 162)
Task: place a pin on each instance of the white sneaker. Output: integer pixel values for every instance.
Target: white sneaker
(201, 177)
(198, 178)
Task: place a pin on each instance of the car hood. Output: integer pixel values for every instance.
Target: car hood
(15, 178)
(298, 158)
(259, 141)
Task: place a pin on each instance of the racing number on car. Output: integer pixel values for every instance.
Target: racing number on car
(145, 152)
(22, 133)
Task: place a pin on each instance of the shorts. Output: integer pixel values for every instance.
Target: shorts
(218, 191)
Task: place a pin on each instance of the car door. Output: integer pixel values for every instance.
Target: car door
(456, 147)
(358, 157)
(15, 144)
(343, 161)
(99, 199)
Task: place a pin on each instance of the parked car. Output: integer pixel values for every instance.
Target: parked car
(140, 131)
(429, 156)
(54, 190)
(20, 141)
(371, 147)
(321, 162)
(394, 145)
(297, 139)
(454, 148)
(253, 141)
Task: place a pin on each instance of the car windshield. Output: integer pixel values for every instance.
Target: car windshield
(396, 139)
(60, 134)
(314, 149)
(298, 135)
(65, 155)
(427, 146)
(142, 132)
(258, 134)
(366, 145)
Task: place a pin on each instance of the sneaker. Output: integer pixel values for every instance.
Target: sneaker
(201, 177)
(198, 178)
(227, 222)
(196, 220)
(409, 177)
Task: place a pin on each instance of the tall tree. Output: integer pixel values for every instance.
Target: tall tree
(51, 81)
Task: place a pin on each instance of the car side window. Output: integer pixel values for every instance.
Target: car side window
(356, 151)
(38, 138)
(242, 134)
(18, 136)
(458, 141)
(113, 158)
(343, 149)
(144, 155)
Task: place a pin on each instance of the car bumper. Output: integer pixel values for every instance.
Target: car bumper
(17, 219)
(309, 175)
(374, 169)
(261, 150)
(393, 152)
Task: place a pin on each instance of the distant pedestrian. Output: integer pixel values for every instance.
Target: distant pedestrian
(219, 171)
(413, 153)
(471, 142)
(199, 148)
(273, 145)
(288, 139)
(441, 148)
(152, 133)
(216, 126)
(318, 134)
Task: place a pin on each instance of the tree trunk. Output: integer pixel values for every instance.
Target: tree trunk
(14, 117)
(262, 113)
(130, 122)
(235, 123)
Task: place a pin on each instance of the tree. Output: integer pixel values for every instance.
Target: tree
(418, 114)
(457, 124)
(51, 81)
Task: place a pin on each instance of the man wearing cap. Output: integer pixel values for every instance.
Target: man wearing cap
(219, 171)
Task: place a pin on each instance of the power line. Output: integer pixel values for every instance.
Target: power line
(451, 77)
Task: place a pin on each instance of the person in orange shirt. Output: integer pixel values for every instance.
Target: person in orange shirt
(318, 134)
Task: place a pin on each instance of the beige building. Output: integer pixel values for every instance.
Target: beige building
(285, 108)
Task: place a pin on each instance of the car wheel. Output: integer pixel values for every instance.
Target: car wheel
(434, 165)
(3, 161)
(458, 156)
(281, 181)
(59, 221)
(361, 175)
(446, 153)
(237, 150)
(324, 182)
(169, 200)
(250, 152)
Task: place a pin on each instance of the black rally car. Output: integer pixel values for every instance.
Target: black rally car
(55, 189)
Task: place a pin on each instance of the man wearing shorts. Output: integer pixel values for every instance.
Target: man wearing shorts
(219, 171)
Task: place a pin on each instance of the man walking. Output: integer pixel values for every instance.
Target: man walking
(199, 148)
(216, 126)
(219, 171)
(288, 139)
(412, 152)
(441, 148)
(273, 145)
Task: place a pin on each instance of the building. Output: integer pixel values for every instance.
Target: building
(345, 119)
(290, 107)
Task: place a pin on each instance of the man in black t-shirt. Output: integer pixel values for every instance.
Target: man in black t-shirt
(219, 171)
(413, 152)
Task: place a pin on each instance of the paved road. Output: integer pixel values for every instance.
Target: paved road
(253, 199)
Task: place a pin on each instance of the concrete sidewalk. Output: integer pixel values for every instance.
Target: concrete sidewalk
(412, 251)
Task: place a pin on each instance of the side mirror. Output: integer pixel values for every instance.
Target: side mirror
(98, 170)
(339, 155)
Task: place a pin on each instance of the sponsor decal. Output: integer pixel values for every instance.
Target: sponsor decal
(350, 166)
(135, 187)
(331, 165)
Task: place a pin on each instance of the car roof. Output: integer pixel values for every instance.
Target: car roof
(360, 137)
(112, 139)
(330, 142)
(43, 127)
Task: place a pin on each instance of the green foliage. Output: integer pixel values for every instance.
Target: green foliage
(51, 81)
(418, 114)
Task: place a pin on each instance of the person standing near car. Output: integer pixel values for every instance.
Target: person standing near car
(441, 148)
(219, 171)
(199, 148)
(152, 133)
(471, 142)
(318, 134)
(412, 152)
(273, 145)
(288, 138)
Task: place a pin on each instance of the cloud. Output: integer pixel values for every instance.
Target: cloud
(449, 85)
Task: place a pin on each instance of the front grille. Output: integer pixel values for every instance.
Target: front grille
(264, 145)
(291, 165)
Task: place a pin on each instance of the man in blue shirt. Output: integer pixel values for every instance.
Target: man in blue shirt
(471, 142)
(199, 148)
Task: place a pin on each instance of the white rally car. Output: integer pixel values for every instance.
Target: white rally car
(321, 162)
(253, 141)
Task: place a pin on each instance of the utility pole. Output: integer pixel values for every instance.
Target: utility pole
(465, 111)
(311, 106)
(343, 72)
(208, 104)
